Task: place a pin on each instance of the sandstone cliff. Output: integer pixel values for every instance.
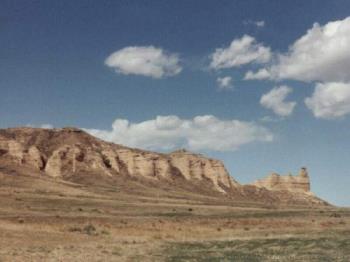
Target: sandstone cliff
(299, 183)
(68, 151)
(72, 154)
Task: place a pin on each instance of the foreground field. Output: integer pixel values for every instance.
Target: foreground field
(47, 220)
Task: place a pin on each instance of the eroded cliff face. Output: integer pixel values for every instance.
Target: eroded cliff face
(72, 154)
(20, 154)
(195, 166)
(299, 183)
(66, 152)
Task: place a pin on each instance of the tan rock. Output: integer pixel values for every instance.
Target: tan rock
(34, 158)
(110, 159)
(69, 153)
(299, 183)
(56, 162)
(195, 166)
(16, 150)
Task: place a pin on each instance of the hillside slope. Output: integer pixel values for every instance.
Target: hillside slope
(71, 154)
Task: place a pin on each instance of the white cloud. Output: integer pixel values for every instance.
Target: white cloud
(322, 54)
(200, 133)
(224, 82)
(330, 100)
(241, 51)
(275, 100)
(144, 60)
(45, 126)
(258, 24)
(259, 75)
(269, 119)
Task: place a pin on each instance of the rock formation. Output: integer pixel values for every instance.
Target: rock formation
(73, 151)
(299, 183)
(70, 153)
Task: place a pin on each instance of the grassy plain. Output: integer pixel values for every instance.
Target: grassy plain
(43, 219)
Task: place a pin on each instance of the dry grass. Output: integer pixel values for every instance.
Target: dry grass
(336, 248)
(47, 220)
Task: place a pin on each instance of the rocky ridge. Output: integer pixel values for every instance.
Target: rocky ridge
(299, 183)
(69, 152)
(74, 151)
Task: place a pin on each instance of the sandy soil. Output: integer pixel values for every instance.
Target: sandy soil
(50, 220)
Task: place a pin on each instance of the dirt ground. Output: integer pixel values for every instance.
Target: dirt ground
(50, 220)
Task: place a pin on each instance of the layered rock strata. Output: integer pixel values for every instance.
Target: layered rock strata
(298, 183)
(65, 152)
(72, 154)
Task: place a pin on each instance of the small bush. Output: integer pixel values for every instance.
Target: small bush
(335, 215)
(117, 251)
(90, 230)
(105, 232)
(74, 229)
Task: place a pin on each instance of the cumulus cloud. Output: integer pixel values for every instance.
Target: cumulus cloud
(144, 60)
(170, 132)
(322, 54)
(241, 51)
(258, 24)
(45, 126)
(224, 82)
(275, 100)
(269, 119)
(259, 75)
(330, 100)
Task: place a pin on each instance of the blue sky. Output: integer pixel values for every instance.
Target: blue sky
(54, 70)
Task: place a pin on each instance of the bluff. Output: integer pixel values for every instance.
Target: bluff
(72, 154)
(299, 183)
(68, 151)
